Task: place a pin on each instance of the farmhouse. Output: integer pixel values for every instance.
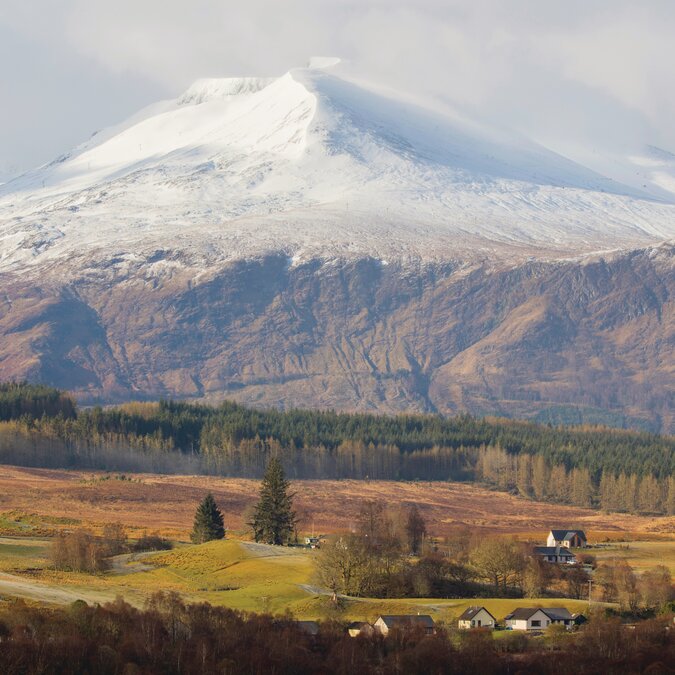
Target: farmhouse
(538, 618)
(476, 617)
(387, 622)
(567, 538)
(555, 554)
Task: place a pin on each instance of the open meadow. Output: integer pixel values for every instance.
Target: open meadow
(35, 504)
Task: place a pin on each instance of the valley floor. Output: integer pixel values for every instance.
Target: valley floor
(36, 503)
(232, 573)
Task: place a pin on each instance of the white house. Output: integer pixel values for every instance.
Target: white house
(567, 538)
(476, 617)
(538, 618)
(387, 622)
(555, 554)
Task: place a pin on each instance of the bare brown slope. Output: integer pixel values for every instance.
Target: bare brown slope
(540, 339)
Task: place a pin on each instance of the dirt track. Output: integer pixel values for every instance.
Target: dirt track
(13, 586)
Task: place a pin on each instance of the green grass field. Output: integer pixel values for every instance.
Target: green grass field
(235, 574)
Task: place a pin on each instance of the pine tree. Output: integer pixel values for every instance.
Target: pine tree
(208, 522)
(273, 518)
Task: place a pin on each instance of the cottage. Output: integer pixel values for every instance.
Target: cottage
(356, 628)
(567, 538)
(556, 554)
(476, 617)
(538, 618)
(386, 623)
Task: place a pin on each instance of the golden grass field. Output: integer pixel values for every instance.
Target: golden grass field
(167, 503)
(36, 503)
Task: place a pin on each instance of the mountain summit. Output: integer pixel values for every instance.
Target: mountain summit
(315, 165)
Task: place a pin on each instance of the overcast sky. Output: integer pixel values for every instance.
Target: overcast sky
(594, 72)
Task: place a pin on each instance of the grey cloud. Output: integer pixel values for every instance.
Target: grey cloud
(595, 71)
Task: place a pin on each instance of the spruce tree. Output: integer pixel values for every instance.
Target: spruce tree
(208, 522)
(273, 518)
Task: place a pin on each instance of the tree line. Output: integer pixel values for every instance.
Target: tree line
(170, 637)
(594, 467)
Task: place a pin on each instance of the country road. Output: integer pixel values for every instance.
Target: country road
(18, 587)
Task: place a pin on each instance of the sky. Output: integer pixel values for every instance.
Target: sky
(597, 74)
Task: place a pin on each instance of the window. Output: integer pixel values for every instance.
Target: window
(536, 624)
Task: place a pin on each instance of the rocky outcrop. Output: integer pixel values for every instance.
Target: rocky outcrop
(565, 341)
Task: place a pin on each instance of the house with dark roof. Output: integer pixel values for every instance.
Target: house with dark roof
(388, 622)
(555, 554)
(567, 538)
(476, 617)
(539, 618)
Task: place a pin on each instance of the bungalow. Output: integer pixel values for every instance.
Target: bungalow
(538, 618)
(387, 622)
(476, 617)
(556, 554)
(356, 628)
(567, 538)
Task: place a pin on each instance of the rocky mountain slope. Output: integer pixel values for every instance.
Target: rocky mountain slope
(311, 241)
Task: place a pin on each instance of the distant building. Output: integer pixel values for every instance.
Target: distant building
(476, 617)
(356, 628)
(310, 627)
(555, 554)
(387, 622)
(539, 618)
(567, 538)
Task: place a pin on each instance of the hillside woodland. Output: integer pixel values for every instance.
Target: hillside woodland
(585, 466)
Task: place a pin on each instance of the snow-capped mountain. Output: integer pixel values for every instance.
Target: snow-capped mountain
(316, 165)
(312, 240)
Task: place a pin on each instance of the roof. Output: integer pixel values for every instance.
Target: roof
(553, 613)
(470, 612)
(391, 620)
(357, 624)
(554, 550)
(566, 535)
(558, 612)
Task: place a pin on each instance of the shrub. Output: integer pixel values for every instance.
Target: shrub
(78, 551)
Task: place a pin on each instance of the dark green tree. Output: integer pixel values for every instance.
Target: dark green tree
(273, 517)
(208, 522)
